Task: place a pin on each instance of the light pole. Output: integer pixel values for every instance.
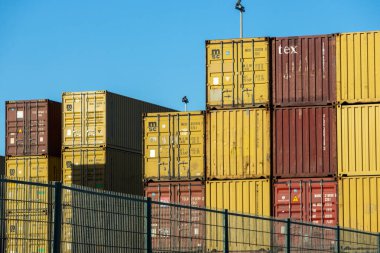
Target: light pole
(185, 101)
(240, 7)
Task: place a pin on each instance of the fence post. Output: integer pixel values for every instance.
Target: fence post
(288, 235)
(225, 228)
(337, 239)
(149, 225)
(57, 217)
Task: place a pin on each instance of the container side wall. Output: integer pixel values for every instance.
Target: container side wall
(358, 67)
(238, 144)
(237, 73)
(358, 139)
(304, 142)
(304, 71)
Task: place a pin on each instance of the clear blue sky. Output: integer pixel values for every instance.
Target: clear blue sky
(150, 50)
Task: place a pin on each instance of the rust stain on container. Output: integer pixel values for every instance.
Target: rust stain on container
(304, 142)
(33, 128)
(304, 71)
(189, 225)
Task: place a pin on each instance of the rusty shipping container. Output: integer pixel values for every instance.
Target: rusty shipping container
(303, 70)
(177, 229)
(237, 73)
(304, 142)
(33, 128)
(359, 203)
(358, 139)
(311, 200)
(250, 196)
(238, 144)
(358, 67)
(104, 119)
(174, 146)
(103, 168)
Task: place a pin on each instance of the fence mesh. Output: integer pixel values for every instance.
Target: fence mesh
(100, 221)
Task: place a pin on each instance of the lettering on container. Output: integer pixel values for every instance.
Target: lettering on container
(215, 53)
(152, 126)
(287, 49)
(69, 107)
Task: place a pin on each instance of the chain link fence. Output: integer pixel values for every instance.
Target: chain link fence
(47, 217)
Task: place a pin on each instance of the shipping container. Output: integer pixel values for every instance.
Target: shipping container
(303, 70)
(103, 168)
(310, 200)
(33, 128)
(174, 146)
(239, 196)
(304, 142)
(28, 233)
(238, 144)
(186, 227)
(237, 73)
(358, 139)
(359, 203)
(358, 67)
(104, 119)
(22, 199)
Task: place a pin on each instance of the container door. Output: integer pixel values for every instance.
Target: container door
(95, 119)
(38, 136)
(73, 114)
(16, 129)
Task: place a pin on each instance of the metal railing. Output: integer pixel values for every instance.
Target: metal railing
(51, 217)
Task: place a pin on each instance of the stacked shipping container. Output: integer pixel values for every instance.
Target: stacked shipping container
(101, 146)
(304, 129)
(238, 160)
(174, 171)
(358, 129)
(33, 140)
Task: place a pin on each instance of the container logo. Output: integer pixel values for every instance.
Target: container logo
(215, 54)
(152, 126)
(287, 49)
(69, 108)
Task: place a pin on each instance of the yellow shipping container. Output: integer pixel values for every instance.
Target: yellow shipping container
(358, 139)
(24, 198)
(28, 233)
(240, 196)
(358, 67)
(103, 119)
(359, 203)
(238, 144)
(103, 168)
(237, 73)
(174, 146)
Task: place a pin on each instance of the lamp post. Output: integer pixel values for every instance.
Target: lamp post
(185, 100)
(241, 9)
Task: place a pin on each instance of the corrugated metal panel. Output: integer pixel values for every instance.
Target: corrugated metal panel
(358, 67)
(103, 168)
(28, 233)
(104, 119)
(359, 203)
(32, 128)
(359, 140)
(242, 196)
(174, 146)
(237, 73)
(310, 200)
(238, 144)
(304, 142)
(304, 71)
(30, 168)
(190, 225)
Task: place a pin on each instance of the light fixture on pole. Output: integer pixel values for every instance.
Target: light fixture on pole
(241, 8)
(185, 101)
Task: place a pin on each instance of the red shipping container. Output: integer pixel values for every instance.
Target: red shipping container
(309, 200)
(33, 127)
(304, 142)
(176, 228)
(304, 70)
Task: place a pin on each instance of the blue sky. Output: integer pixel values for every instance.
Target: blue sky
(150, 50)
